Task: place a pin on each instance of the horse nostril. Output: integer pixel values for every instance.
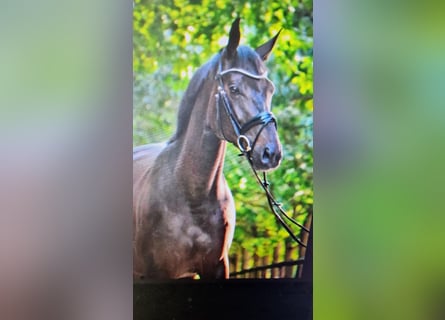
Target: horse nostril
(267, 155)
(271, 156)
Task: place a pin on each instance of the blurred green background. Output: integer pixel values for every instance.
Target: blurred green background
(379, 141)
(171, 40)
(380, 150)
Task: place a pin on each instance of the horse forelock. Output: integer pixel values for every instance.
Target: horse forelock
(247, 59)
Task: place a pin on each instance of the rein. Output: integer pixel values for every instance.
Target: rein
(275, 206)
(262, 119)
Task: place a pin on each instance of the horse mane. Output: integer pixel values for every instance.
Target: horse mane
(246, 58)
(194, 88)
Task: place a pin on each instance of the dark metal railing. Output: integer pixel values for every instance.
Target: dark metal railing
(256, 272)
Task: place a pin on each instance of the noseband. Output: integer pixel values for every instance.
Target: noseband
(261, 119)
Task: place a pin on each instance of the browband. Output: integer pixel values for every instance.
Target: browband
(244, 72)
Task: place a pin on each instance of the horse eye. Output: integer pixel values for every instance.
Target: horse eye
(234, 90)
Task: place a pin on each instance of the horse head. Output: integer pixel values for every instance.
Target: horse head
(244, 97)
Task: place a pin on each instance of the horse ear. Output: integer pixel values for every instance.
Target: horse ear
(265, 49)
(234, 38)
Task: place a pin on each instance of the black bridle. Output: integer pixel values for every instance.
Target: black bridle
(262, 119)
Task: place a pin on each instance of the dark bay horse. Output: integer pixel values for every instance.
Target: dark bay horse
(183, 210)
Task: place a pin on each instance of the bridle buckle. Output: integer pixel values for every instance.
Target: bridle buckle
(242, 139)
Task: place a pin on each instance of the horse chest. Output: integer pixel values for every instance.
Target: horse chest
(199, 227)
(185, 232)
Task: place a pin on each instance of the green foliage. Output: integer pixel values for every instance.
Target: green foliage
(172, 38)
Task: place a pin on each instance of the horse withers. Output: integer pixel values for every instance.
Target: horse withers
(183, 210)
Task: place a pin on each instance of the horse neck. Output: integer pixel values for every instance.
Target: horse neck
(201, 157)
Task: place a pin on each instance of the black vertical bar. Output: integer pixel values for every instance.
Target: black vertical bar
(308, 260)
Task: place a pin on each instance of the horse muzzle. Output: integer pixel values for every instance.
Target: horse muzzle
(266, 157)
